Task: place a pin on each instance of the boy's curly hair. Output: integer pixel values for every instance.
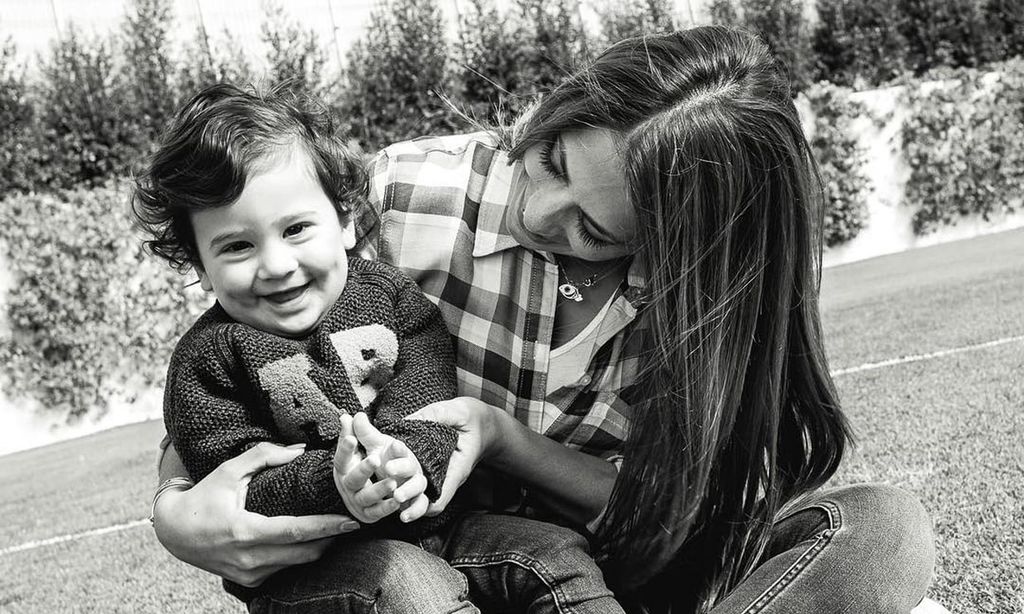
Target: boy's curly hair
(214, 144)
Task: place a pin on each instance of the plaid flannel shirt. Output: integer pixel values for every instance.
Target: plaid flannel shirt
(438, 213)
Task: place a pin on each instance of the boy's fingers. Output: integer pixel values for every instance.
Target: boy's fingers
(356, 478)
(374, 493)
(346, 426)
(415, 510)
(401, 469)
(412, 488)
(382, 509)
(346, 454)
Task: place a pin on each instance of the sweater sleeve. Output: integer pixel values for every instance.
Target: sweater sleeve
(424, 374)
(210, 414)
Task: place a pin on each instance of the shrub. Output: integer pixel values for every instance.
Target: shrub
(204, 64)
(856, 43)
(83, 101)
(145, 44)
(488, 59)
(841, 162)
(395, 73)
(20, 149)
(293, 54)
(964, 142)
(780, 23)
(940, 33)
(89, 313)
(1003, 25)
(626, 19)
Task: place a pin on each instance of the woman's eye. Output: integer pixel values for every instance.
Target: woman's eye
(296, 229)
(588, 237)
(547, 158)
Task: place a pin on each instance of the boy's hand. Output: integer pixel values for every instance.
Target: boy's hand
(367, 501)
(398, 465)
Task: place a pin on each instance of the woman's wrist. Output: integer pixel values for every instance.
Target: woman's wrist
(498, 427)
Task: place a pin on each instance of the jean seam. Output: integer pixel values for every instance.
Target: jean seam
(835, 523)
(527, 563)
(326, 595)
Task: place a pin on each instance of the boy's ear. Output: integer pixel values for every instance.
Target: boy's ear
(348, 234)
(204, 279)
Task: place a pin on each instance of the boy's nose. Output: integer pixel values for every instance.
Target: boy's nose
(276, 261)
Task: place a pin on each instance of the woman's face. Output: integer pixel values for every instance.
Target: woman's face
(574, 200)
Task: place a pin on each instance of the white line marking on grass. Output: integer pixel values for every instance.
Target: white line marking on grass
(32, 545)
(931, 355)
(60, 539)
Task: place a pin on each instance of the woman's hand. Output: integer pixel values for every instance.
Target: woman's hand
(478, 425)
(209, 527)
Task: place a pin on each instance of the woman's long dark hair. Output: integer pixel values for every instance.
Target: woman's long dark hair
(734, 413)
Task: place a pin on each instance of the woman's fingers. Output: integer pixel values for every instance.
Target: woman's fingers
(257, 458)
(289, 530)
(261, 562)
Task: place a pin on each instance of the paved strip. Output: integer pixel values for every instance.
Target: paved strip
(870, 366)
(32, 545)
(60, 539)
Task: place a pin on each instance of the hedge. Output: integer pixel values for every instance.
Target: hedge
(964, 142)
(90, 314)
(841, 161)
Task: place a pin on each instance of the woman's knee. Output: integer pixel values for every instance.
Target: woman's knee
(891, 533)
(378, 575)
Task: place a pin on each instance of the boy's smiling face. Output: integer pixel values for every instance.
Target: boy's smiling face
(275, 258)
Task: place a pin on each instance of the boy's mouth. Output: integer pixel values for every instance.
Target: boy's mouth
(280, 298)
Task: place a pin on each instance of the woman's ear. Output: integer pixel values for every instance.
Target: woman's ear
(348, 234)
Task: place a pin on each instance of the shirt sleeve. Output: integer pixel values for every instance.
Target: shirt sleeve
(424, 374)
(208, 423)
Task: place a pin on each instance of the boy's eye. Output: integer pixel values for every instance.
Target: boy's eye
(295, 229)
(235, 247)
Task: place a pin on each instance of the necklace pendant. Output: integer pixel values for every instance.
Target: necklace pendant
(570, 292)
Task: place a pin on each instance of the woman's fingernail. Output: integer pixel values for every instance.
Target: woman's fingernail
(349, 525)
(296, 446)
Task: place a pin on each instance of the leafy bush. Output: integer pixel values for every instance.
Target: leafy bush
(964, 142)
(1003, 27)
(395, 73)
(83, 102)
(504, 60)
(857, 43)
(293, 54)
(621, 19)
(148, 68)
(89, 312)
(20, 149)
(781, 24)
(841, 161)
(204, 64)
(940, 33)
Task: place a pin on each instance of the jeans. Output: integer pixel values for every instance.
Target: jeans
(498, 563)
(864, 549)
(861, 549)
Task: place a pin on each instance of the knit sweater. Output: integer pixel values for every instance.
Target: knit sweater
(382, 348)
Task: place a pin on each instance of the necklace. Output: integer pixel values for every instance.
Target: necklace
(570, 290)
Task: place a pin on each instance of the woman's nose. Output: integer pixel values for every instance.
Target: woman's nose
(276, 260)
(544, 217)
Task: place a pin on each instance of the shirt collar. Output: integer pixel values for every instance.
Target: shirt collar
(503, 178)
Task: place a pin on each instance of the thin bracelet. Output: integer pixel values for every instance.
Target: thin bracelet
(175, 483)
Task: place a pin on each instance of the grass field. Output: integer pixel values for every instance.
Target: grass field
(948, 426)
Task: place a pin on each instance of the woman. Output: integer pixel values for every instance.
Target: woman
(634, 301)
